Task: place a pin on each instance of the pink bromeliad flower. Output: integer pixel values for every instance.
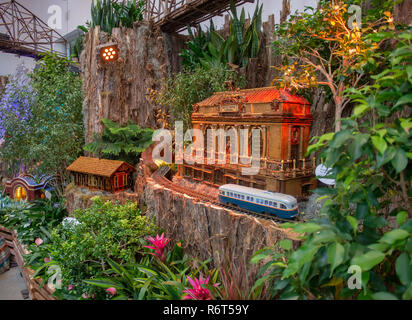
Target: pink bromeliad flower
(158, 245)
(38, 241)
(111, 290)
(198, 292)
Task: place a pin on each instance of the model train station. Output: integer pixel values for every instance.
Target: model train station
(284, 122)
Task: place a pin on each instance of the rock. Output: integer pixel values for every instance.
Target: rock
(80, 198)
(310, 208)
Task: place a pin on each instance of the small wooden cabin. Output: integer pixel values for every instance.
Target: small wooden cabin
(28, 187)
(101, 174)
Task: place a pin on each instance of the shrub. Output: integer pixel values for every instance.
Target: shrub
(32, 220)
(158, 275)
(118, 142)
(15, 120)
(57, 119)
(366, 220)
(108, 14)
(180, 92)
(42, 119)
(105, 230)
(211, 49)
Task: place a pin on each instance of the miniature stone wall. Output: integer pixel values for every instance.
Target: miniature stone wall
(209, 231)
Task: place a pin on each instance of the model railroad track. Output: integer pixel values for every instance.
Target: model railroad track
(160, 177)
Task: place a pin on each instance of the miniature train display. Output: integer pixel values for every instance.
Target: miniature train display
(281, 205)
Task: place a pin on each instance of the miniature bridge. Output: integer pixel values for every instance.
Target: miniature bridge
(23, 33)
(175, 15)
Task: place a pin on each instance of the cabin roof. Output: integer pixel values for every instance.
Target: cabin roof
(257, 95)
(98, 167)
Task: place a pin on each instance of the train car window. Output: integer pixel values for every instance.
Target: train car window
(282, 206)
(243, 197)
(270, 203)
(275, 205)
(247, 198)
(266, 202)
(251, 198)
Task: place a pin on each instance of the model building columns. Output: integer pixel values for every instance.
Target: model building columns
(282, 120)
(233, 142)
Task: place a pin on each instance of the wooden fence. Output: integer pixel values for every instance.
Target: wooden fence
(36, 290)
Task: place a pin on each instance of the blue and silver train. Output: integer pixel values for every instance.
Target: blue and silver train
(278, 204)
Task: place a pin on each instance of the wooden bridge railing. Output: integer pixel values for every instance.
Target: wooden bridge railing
(22, 32)
(175, 15)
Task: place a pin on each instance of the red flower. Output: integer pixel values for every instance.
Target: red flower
(111, 290)
(198, 292)
(158, 245)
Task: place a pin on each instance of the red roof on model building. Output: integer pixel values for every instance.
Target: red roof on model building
(257, 95)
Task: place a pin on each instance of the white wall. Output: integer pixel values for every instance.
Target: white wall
(9, 62)
(73, 13)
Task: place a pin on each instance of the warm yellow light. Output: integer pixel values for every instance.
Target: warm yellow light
(111, 49)
(20, 194)
(104, 54)
(107, 58)
(107, 50)
(114, 52)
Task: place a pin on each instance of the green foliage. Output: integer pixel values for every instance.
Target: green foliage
(211, 50)
(188, 87)
(15, 120)
(105, 230)
(31, 220)
(108, 14)
(371, 159)
(44, 133)
(150, 279)
(57, 119)
(77, 46)
(121, 142)
(319, 47)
